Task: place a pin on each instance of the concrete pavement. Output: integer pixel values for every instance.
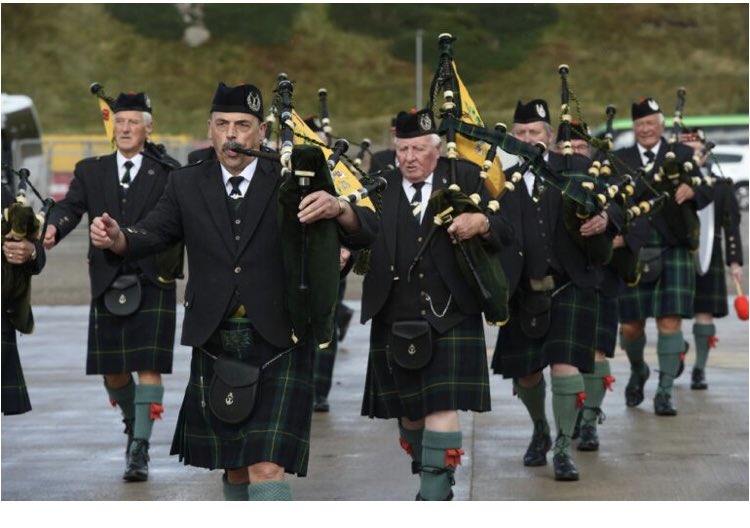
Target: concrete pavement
(70, 446)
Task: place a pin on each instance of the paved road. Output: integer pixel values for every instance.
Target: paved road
(69, 447)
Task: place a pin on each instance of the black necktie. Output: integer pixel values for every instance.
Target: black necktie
(125, 182)
(650, 156)
(416, 201)
(236, 194)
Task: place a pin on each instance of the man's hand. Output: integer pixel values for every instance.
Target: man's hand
(468, 225)
(49, 237)
(618, 241)
(317, 206)
(736, 271)
(684, 193)
(344, 255)
(595, 225)
(106, 234)
(17, 251)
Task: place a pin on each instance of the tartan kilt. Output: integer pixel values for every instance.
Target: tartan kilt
(711, 288)
(605, 339)
(15, 397)
(456, 378)
(672, 294)
(570, 339)
(278, 430)
(141, 341)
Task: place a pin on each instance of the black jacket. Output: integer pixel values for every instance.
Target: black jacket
(194, 208)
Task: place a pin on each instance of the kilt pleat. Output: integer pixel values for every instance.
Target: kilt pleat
(605, 339)
(15, 396)
(711, 288)
(141, 341)
(570, 339)
(456, 378)
(278, 430)
(672, 294)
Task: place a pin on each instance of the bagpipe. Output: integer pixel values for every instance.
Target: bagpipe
(310, 252)
(170, 263)
(22, 223)
(597, 247)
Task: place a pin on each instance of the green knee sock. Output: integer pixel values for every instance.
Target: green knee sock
(124, 397)
(234, 492)
(595, 386)
(701, 333)
(270, 490)
(565, 390)
(434, 486)
(533, 399)
(145, 395)
(411, 442)
(634, 350)
(668, 349)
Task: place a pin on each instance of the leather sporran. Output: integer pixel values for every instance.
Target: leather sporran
(534, 315)
(233, 390)
(411, 344)
(123, 297)
(651, 264)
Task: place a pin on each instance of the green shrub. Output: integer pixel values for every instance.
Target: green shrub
(259, 24)
(150, 20)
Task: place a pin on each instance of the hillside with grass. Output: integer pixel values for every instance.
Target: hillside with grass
(364, 56)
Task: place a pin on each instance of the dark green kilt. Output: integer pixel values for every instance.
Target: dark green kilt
(141, 341)
(570, 339)
(711, 288)
(672, 294)
(456, 378)
(277, 431)
(15, 396)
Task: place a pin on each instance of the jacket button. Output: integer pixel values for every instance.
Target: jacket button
(423, 312)
(238, 221)
(187, 303)
(421, 275)
(237, 269)
(237, 237)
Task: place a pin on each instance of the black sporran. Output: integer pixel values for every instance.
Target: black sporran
(411, 344)
(123, 297)
(233, 391)
(651, 264)
(534, 315)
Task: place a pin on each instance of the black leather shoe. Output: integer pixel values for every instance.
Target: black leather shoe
(699, 380)
(137, 468)
(681, 368)
(663, 405)
(565, 469)
(343, 318)
(321, 404)
(129, 425)
(634, 388)
(589, 439)
(536, 453)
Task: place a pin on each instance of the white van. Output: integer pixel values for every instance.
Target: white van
(22, 145)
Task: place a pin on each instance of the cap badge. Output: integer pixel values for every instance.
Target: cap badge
(652, 105)
(540, 111)
(253, 102)
(425, 122)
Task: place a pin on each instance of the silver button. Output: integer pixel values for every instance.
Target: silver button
(237, 269)
(238, 221)
(421, 275)
(237, 237)
(419, 239)
(187, 303)
(423, 312)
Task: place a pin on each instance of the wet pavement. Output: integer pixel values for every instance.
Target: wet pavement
(70, 446)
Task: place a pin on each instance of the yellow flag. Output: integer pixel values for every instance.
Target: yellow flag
(343, 180)
(107, 118)
(476, 151)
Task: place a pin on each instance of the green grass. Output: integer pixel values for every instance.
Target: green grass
(617, 53)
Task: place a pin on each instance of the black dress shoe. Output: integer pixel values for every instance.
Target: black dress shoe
(137, 468)
(536, 454)
(681, 368)
(699, 380)
(321, 404)
(565, 469)
(589, 439)
(634, 388)
(663, 405)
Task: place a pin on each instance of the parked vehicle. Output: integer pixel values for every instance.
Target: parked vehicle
(22, 144)
(732, 161)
